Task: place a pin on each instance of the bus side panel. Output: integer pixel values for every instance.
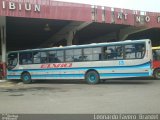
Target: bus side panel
(106, 69)
(126, 71)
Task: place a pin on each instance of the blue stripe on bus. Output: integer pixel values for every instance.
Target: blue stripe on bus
(101, 75)
(82, 75)
(47, 75)
(13, 76)
(124, 74)
(145, 65)
(59, 75)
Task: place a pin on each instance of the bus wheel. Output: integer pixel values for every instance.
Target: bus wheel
(156, 73)
(92, 77)
(26, 78)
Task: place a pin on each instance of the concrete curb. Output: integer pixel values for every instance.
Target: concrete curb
(3, 81)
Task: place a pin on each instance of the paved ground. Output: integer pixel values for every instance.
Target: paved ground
(116, 96)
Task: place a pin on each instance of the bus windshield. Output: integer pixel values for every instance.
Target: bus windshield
(12, 60)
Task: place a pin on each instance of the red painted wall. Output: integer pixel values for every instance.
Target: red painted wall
(50, 10)
(78, 12)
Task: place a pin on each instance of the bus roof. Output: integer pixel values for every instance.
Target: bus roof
(83, 46)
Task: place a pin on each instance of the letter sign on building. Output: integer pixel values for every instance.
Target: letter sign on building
(147, 19)
(15, 5)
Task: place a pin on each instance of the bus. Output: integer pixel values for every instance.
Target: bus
(156, 62)
(94, 62)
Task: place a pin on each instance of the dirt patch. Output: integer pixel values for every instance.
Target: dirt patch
(17, 95)
(27, 89)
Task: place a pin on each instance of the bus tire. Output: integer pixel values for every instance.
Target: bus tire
(92, 77)
(156, 73)
(26, 78)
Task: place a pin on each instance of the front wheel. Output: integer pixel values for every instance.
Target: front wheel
(156, 73)
(26, 78)
(92, 77)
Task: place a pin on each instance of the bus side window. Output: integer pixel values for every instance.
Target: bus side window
(51, 56)
(119, 52)
(97, 53)
(44, 57)
(105, 52)
(130, 52)
(77, 55)
(12, 59)
(36, 57)
(25, 58)
(69, 55)
(87, 54)
(140, 50)
(109, 53)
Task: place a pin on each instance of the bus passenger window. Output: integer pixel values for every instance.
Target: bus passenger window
(87, 54)
(140, 50)
(92, 54)
(130, 52)
(44, 57)
(59, 59)
(119, 52)
(69, 55)
(60, 56)
(56, 56)
(36, 57)
(105, 53)
(109, 53)
(25, 58)
(51, 56)
(12, 60)
(97, 53)
(77, 55)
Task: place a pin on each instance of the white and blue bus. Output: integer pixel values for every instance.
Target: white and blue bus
(92, 62)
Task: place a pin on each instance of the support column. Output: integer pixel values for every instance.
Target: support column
(3, 38)
(70, 37)
(3, 46)
(66, 33)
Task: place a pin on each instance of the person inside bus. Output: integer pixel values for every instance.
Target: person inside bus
(26, 59)
(108, 53)
(111, 53)
(140, 50)
(44, 57)
(53, 58)
(119, 52)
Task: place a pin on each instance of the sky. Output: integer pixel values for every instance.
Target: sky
(143, 5)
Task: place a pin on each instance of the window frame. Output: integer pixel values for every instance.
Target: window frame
(82, 49)
(17, 60)
(115, 47)
(100, 59)
(56, 56)
(142, 57)
(23, 53)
